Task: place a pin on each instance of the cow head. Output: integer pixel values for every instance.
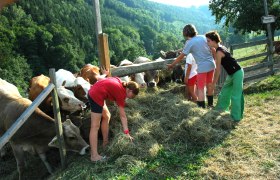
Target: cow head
(68, 100)
(178, 74)
(152, 78)
(72, 138)
(81, 88)
(139, 79)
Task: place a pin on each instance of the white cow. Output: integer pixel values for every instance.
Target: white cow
(9, 88)
(64, 78)
(137, 77)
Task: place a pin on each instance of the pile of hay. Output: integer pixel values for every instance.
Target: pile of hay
(160, 119)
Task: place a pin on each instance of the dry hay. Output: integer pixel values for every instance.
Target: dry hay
(161, 118)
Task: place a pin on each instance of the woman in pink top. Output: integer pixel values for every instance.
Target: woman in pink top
(113, 89)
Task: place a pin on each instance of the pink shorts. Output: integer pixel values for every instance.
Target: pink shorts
(204, 78)
(192, 81)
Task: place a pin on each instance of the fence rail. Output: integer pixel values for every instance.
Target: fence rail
(267, 62)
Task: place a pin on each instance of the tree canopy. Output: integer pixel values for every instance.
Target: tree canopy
(243, 15)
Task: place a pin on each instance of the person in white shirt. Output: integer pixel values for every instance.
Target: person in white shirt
(190, 78)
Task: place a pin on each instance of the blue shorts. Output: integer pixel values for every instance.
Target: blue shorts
(94, 106)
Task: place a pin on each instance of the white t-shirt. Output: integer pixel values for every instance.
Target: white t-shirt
(190, 60)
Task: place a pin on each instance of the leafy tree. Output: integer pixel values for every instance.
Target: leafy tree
(244, 16)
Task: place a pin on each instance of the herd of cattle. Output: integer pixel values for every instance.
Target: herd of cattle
(38, 133)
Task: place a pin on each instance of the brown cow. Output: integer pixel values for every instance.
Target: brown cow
(36, 86)
(38, 132)
(67, 99)
(90, 73)
(276, 45)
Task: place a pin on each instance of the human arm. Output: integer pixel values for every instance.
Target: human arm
(104, 73)
(124, 122)
(213, 51)
(177, 60)
(219, 56)
(188, 71)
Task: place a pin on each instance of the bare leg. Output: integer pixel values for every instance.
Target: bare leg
(93, 135)
(201, 94)
(105, 125)
(192, 93)
(210, 89)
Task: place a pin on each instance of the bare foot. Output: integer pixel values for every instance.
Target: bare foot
(96, 158)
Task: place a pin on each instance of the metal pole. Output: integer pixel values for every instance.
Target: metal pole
(270, 49)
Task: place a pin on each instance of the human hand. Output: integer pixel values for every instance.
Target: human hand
(130, 137)
(104, 71)
(169, 66)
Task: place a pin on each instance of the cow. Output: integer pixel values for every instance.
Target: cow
(178, 70)
(36, 85)
(37, 134)
(64, 78)
(170, 54)
(125, 62)
(67, 99)
(77, 84)
(137, 77)
(276, 45)
(151, 77)
(90, 73)
(7, 87)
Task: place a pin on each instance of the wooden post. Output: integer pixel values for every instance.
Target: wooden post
(57, 117)
(270, 46)
(102, 39)
(103, 48)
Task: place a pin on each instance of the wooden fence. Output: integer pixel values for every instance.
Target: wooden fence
(262, 69)
(25, 115)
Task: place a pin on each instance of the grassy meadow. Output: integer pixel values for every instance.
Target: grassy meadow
(173, 139)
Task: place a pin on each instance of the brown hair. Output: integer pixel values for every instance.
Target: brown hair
(131, 85)
(214, 36)
(189, 31)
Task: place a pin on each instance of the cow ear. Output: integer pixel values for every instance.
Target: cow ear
(67, 122)
(54, 142)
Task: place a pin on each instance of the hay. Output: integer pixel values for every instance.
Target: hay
(161, 118)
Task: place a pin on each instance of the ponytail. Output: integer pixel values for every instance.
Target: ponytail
(131, 85)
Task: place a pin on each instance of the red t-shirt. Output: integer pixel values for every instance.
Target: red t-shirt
(110, 88)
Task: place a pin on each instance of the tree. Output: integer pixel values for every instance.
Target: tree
(243, 15)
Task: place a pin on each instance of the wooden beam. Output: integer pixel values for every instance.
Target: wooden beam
(137, 68)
